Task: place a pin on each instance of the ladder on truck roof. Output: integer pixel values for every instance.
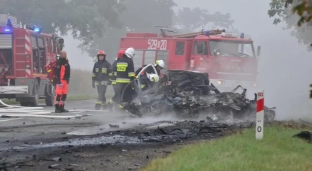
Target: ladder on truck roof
(4, 18)
(192, 35)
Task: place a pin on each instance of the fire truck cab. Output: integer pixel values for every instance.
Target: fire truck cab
(229, 59)
(23, 54)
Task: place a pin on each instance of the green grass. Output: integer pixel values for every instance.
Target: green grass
(242, 152)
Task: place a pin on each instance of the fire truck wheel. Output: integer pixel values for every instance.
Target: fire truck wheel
(24, 103)
(49, 100)
(35, 100)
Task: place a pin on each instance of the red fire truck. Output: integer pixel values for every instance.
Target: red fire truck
(23, 54)
(229, 59)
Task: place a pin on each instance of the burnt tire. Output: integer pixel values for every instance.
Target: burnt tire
(49, 100)
(269, 116)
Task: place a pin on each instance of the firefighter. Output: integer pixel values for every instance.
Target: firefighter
(148, 80)
(62, 77)
(125, 74)
(113, 78)
(100, 78)
(159, 65)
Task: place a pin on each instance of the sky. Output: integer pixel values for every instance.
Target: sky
(284, 65)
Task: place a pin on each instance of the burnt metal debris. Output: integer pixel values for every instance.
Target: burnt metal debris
(306, 135)
(188, 93)
(181, 131)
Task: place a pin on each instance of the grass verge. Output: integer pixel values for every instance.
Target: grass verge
(241, 151)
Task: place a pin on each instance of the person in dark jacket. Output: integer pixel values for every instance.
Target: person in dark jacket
(61, 80)
(125, 74)
(100, 78)
(113, 79)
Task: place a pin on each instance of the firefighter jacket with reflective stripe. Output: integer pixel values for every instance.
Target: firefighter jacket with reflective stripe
(62, 70)
(113, 73)
(125, 70)
(101, 71)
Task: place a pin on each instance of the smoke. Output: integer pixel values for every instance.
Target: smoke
(284, 65)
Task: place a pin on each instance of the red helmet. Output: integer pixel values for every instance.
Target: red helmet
(120, 53)
(101, 52)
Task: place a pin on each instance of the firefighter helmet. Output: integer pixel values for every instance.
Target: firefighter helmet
(153, 77)
(160, 63)
(120, 53)
(101, 52)
(130, 52)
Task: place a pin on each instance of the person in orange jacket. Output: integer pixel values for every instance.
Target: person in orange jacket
(62, 77)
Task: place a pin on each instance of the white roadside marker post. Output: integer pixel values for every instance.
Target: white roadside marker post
(260, 115)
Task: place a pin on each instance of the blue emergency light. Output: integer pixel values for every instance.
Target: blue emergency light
(7, 30)
(34, 28)
(207, 32)
(37, 29)
(242, 35)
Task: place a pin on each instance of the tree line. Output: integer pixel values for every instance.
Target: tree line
(99, 24)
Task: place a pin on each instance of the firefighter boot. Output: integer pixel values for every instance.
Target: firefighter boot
(110, 105)
(98, 106)
(104, 106)
(62, 108)
(57, 108)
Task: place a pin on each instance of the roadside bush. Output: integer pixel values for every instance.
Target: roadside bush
(81, 84)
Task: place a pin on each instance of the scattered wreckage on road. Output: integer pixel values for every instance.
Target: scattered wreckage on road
(188, 93)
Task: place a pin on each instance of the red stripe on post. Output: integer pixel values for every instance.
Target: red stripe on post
(260, 105)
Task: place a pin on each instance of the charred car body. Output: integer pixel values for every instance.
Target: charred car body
(189, 93)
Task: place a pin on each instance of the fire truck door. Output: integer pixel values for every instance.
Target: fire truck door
(179, 59)
(199, 55)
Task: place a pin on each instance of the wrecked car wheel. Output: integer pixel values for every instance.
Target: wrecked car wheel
(269, 115)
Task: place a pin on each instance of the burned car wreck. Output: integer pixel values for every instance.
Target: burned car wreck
(188, 94)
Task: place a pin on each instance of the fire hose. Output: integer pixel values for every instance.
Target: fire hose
(11, 111)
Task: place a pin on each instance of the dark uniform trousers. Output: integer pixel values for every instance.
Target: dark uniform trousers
(101, 89)
(100, 76)
(113, 80)
(125, 74)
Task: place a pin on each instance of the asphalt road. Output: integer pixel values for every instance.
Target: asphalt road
(33, 130)
(15, 130)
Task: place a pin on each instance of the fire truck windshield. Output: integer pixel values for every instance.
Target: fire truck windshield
(231, 48)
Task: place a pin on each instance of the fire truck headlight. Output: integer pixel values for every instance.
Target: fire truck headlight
(219, 82)
(27, 66)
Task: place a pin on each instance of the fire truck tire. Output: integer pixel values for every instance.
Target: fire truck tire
(49, 100)
(24, 103)
(35, 99)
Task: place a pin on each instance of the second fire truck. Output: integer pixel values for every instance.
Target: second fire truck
(230, 59)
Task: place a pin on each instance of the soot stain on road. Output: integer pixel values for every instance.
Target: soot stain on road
(150, 135)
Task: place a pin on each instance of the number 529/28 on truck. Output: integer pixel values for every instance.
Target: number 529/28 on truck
(23, 54)
(228, 58)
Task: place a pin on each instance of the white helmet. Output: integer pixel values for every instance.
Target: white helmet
(153, 77)
(160, 63)
(130, 52)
